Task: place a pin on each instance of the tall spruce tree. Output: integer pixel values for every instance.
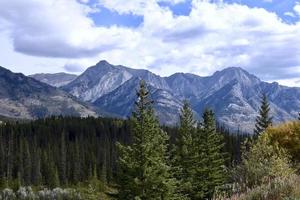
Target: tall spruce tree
(62, 160)
(2, 160)
(77, 163)
(183, 152)
(143, 170)
(36, 167)
(263, 120)
(209, 163)
(27, 164)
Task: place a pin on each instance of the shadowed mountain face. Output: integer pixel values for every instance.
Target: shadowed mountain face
(55, 80)
(25, 97)
(232, 93)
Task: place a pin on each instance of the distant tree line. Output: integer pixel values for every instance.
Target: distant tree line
(61, 151)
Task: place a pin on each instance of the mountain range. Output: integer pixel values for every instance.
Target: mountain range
(26, 98)
(233, 93)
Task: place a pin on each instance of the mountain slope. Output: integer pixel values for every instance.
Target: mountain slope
(121, 101)
(103, 78)
(56, 80)
(233, 93)
(25, 97)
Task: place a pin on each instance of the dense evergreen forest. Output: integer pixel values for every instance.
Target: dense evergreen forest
(61, 151)
(138, 159)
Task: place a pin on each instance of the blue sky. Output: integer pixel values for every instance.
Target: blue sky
(106, 17)
(164, 36)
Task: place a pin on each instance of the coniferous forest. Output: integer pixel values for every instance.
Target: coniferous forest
(71, 149)
(137, 158)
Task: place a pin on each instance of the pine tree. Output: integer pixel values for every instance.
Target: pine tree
(264, 120)
(2, 161)
(183, 151)
(209, 165)
(62, 159)
(144, 173)
(53, 179)
(77, 164)
(9, 157)
(104, 168)
(27, 164)
(21, 152)
(36, 168)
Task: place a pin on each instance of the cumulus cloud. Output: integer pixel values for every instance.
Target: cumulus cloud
(297, 8)
(214, 35)
(57, 29)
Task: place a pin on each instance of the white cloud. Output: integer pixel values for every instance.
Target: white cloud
(212, 36)
(297, 8)
(57, 29)
(290, 14)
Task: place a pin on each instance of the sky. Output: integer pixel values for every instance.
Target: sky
(163, 36)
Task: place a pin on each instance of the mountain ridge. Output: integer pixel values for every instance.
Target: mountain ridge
(233, 93)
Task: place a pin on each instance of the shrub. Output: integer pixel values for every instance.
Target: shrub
(265, 173)
(286, 136)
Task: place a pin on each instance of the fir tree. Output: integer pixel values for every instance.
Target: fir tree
(144, 173)
(36, 168)
(20, 173)
(27, 164)
(209, 166)
(184, 151)
(63, 159)
(104, 168)
(2, 160)
(77, 163)
(53, 179)
(264, 120)
(9, 157)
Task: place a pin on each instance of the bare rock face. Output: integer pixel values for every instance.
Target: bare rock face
(232, 93)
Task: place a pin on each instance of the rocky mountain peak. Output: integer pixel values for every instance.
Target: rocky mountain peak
(237, 73)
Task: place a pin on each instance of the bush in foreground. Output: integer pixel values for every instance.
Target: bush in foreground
(266, 172)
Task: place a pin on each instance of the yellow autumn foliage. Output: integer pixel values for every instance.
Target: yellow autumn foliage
(287, 136)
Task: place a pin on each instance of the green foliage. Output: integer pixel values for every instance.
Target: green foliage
(184, 152)
(32, 153)
(209, 166)
(144, 172)
(265, 173)
(262, 163)
(263, 121)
